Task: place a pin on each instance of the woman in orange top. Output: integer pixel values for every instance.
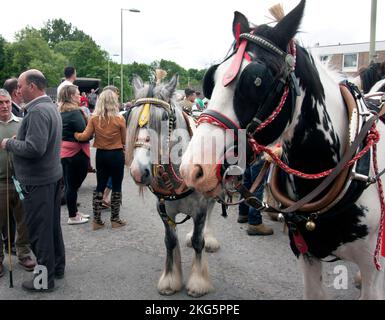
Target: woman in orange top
(109, 128)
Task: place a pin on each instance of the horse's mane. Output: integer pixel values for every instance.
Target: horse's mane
(371, 75)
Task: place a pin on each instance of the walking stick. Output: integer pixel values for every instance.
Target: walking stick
(9, 228)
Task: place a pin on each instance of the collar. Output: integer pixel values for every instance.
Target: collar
(33, 102)
(13, 118)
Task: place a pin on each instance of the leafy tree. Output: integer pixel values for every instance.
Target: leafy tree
(57, 30)
(31, 51)
(59, 44)
(2, 58)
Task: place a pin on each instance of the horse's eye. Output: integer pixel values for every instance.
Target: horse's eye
(208, 81)
(255, 81)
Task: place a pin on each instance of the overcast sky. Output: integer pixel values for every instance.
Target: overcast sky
(192, 33)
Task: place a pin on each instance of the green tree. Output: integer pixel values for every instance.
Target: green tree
(173, 68)
(2, 58)
(31, 51)
(87, 57)
(57, 30)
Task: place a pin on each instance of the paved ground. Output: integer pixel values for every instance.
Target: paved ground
(126, 263)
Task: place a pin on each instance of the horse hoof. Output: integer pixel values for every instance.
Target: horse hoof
(167, 292)
(212, 247)
(195, 294)
(211, 244)
(199, 287)
(199, 292)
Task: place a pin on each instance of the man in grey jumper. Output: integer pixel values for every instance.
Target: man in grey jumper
(36, 154)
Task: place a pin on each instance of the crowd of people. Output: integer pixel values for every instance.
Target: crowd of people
(45, 156)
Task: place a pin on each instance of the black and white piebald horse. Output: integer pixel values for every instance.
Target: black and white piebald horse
(271, 87)
(157, 134)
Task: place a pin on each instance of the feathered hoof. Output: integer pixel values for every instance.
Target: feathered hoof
(211, 244)
(167, 291)
(169, 285)
(198, 287)
(197, 292)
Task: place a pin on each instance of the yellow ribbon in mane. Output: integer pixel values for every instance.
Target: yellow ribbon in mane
(144, 116)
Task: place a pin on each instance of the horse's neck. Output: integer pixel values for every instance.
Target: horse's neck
(316, 137)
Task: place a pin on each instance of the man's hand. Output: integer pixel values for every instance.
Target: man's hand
(3, 143)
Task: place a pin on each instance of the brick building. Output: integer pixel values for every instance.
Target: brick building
(348, 58)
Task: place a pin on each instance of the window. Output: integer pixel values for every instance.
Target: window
(350, 62)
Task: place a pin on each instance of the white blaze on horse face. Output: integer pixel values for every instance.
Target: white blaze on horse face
(195, 169)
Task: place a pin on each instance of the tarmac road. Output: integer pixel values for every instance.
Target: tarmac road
(126, 263)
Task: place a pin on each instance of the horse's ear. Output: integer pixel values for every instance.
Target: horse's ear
(287, 28)
(137, 82)
(241, 21)
(171, 86)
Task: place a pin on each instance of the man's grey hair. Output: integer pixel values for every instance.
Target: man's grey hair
(5, 93)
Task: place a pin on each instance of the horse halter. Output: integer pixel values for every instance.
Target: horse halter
(164, 172)
(284, 81)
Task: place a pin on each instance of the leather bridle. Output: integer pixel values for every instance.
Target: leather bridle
(175, 187)
(284, 82)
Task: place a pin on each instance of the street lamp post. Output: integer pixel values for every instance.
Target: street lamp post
(108, 68)
(121, 50)
(373, 20)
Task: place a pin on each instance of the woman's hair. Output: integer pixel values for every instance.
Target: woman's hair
(67, 100)
(107, 105)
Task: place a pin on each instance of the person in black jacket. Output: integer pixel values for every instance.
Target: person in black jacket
(75, 156)
(17, 101)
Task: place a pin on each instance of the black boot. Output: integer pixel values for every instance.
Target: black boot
(97, 199)
(116, 200)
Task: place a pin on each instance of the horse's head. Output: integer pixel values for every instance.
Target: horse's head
(149, 119)
(244, 93)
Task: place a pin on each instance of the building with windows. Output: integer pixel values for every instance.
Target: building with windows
(348, 58)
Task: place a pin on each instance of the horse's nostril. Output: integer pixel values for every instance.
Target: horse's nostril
(199, 172)
(146, 173)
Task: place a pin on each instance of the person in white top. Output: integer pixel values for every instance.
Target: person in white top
(70, 77)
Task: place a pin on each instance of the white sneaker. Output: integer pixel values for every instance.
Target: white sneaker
(77, 220)
(86, 216)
